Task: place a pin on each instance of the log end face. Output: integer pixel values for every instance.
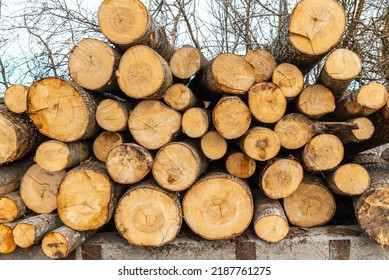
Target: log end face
(8, 210)
(351, 179)
(186, 62)
(55, 245)
(343, 64)
(289, 79)
(7, 244)
(271, 229)
(24, 235)
(52, 156)
(104, 143)
(263, 62)
(213, 145)
(15, 98)
(8, 141)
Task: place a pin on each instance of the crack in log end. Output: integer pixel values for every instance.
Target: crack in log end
(55, 245)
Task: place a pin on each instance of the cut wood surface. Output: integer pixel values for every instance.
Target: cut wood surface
(153, 124)
(112, 115)
(55, 155)
(195, 122)
(39, 188)
(240, 165)
(15, 98)
(11, 174)
(186, 62)
(180, 97)
(218, 206)
(147, 215)
(364, 131)
(263, 62)
(213, 145)
(128, 163)
(106, 141)
(12, 207)
(289, 79)
(7, 243)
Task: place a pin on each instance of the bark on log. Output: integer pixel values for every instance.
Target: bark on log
(213, 145)
(12, 207)
(112, 115)
(240, 165)
(15, 98)
(180, 97)
(364, 131)
(195, 122)
(106, 141)
(186, 62)
(263, 62)
(289, 79)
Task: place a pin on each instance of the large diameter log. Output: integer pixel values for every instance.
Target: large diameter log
(12, 207)
(153, 124)
(31, 230)
(106, 141)
(289, 79)
(213, 145)
(55, 155)
(240, 165)
(92, 65)
(263, 62)
(364, 131)
(195, 122)
(112, 115)
(148, 216)
(12, 174)
(178, 165)
(180, 97)
(143, 73)
(128, 163)
(39, 188)
(60, 242)
(309, 33)
(186, 62)
(87, 196)
(218, 206)
(231, 117)
(15, 98)
(129, 23)
(62, 110)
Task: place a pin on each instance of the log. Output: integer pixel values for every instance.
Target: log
(231, 117)
(87, 196)
(12, 207)
(195, 122)
(385, 155)
(180, 97)
(112, 115)
(267, 102)
(213, 145)
(128, 163)
(15, 98)
(7, 243)
(260, 143)
(218, 206)
(60, 242)
(92, 65)
(107, 141)
(364, 131)
(62, 110)
(143, 73)
(263, 62)
(153, 124)
(240, 165)
(312, 204)
(289, 79)
(31, 230)
(178, 165)
(186, 62)
(39, 188)
(12, 174)
(313, 28)
(342, 66)
(147, 215)
(55, 155)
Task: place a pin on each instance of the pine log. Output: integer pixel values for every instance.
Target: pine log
(186, 62)
(12, 174)
(148, 216)
(55, 155)
(31, 230)
(231, 117)
(213, 145)
(218, 206)
(260, 143)
(267, 102)
(128, 163)
(107, 141)
(112, 115)
(312, 204)
(180, 97)
(153, 124)
(129, 23)
(178, 165)
(12, 207)
(364, 131)
(60, 242)
(92, 65)
(87, 196)
(39, 188)
(342, 66)
(263, 62)
(15, 98)
(309, 33)
(195, 122)
(240, 165)
(143, 73)
(62, 110)
(289, 79)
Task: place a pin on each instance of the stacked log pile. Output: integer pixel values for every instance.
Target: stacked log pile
(153, 137)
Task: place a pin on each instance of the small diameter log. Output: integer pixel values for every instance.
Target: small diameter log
(153, 124)
(195, 122)
(340, 69)
(240, 165)
(87, 196)
(62, 110)
(143, 73)
(107, 141)
(186, 62)
(39, 189)
(128, 163)
(218, 206)
(349, 179)
(112, 115)
(364, 131)
(309, 33)
(260, 143)
(263, 62)
(178, 165)
(60, 242)
(92, 65)
(12, 207)
(267, 103)
(270, 222)
(55, 155)
(180, 97)
(15, 98)
(32, 230)
(7, 243)
(213, 145)
(289, 79)
(312, 204)
(231, 117)
(148, 216)
(315, 101)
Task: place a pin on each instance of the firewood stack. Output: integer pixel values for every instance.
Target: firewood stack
(153, 137)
